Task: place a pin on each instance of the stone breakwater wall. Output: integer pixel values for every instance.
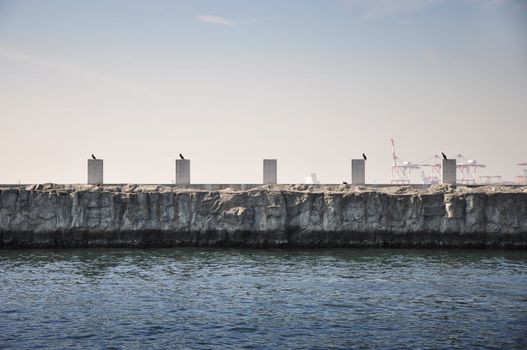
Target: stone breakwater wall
(44, 216)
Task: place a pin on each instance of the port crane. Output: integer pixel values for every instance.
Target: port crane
(434, 163)
(522, 180)
(468, 169)
(401, 170)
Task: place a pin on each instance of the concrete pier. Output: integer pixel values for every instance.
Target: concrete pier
(358, 171)
(309, 216)
(183, 171)
(269, 171)
(95, 171)
(448, 171)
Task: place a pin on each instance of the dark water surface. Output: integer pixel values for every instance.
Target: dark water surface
(205, 298)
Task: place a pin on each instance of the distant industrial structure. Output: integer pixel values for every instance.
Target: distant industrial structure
(459, 170)
(401, 170)
(312, 179)
(490, 180)
(467, 171)
(522, 180)
(434, 163)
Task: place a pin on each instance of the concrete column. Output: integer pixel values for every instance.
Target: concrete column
(269, 171)
(183, 171)
(358, 171)
(448, 171)
(95, 171)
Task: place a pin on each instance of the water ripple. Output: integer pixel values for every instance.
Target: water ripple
(263, 299)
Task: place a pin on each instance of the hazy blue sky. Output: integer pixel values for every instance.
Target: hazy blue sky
(228, 83)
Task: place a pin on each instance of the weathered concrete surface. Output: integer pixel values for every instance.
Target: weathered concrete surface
(273, 215)
(270, 171)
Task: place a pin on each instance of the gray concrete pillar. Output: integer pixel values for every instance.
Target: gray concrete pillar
(448, 171)
(95, 171)
(183, 171)
(269, 171)
(358, 172)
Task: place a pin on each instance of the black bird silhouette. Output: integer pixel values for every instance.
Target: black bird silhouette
(93, 156)
(344, 183)
(444, 155)
(364, 156)
(181, 156)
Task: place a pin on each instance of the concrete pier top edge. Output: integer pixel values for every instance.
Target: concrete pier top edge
(326, 188)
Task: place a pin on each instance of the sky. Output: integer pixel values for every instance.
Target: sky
(312, 83)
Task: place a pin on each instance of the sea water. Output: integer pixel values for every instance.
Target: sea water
(268, 299)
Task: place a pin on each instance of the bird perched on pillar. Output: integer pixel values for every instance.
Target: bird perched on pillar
(444, 156)
(181, 156)
(93, 156)
(364, 156)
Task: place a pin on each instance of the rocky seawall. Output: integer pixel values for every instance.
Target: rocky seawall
(44, 216)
